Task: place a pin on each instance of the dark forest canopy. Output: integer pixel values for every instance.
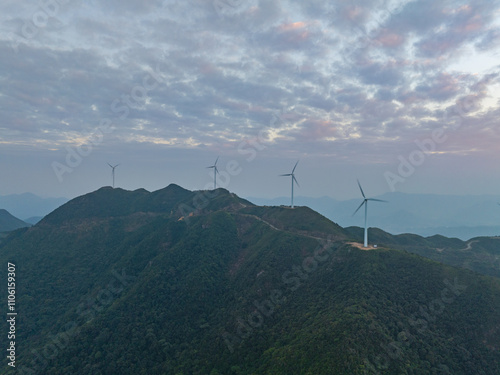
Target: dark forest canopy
(181, 282)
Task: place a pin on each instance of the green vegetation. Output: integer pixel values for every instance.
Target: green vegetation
(480, 254)
(171, 282)
(298, 220)
(9, 223)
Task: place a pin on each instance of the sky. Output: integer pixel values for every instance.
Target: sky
(402, 95)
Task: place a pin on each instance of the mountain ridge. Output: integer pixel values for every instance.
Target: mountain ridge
(204, 282)
(464, 217)
(468, 216)
(8, 222)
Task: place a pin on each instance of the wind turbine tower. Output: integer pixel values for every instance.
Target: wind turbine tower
(113, 172)
(293, 179)
(365, 202)
(215, 172)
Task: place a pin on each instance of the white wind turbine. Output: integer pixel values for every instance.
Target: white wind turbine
(293, 179)
(365, 202)
(113, 172)
(215, 172)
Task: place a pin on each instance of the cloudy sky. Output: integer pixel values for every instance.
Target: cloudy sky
(403, 95)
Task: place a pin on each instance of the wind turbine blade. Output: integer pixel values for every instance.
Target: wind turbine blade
(360, 188)
(216, 160)
(294, 179)
(216, 169)
(110, 165)
(361, 205)
(288, 174)
(376, 200)
(293, 170)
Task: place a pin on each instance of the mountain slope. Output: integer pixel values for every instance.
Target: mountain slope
(481, 254)
(28, 205)
(464, 217)
(9, 222)
(33, 220)
(180, 282)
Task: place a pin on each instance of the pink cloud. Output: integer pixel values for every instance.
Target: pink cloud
(207, 68)
(354, 12)
(317, 130)
(387, 38)
(292, 26)
(294, 33)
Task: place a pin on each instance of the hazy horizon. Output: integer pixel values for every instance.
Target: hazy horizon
(402, 95)
(277, 197)
(464, 217)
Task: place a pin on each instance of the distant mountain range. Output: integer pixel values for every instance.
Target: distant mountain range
(205, 282)
(462, 217)
(29, 207)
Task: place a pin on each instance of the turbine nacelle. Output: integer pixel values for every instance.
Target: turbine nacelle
(215, 165)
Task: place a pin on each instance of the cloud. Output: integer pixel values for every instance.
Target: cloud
(388, 74)
(441, 87)
(311, 73)
(489, 40)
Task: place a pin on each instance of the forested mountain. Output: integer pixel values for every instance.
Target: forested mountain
(9, 222)
(463, 217)
(181, 282)
(480, 254)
